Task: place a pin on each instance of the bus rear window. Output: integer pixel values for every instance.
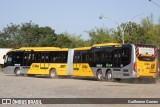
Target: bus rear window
(145, 52)
(146, 58)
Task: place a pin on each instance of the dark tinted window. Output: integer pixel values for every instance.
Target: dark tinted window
(8, 59)
(146, 58)
(58, 57)
(126, 56)
(18, 57)
(27, 58)
(77, 56)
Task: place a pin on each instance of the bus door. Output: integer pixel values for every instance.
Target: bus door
(9, 64)
(18, 60)
(117, 59)
(77, 63)
(47, 54)
(44, 63)
(27, 61)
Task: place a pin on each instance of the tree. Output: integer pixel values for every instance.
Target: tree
(100, 35)
(154, 35)
(76, 41)
(27, 34)
(63, 41)
(8, 35)
(66, 40)
(133, 33)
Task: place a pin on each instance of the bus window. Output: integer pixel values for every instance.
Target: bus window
(125, 57)
(8, 58)
(47, 57)
(146, 54)
(108, 55)
(99, 54)
(42, 57)
(117, 57)
(85, 56)
(146, 58)
(27, 59)
(18, 58)
(36, 57)
(77, 57)
(57, 57)
(64, 57)
(90, 56)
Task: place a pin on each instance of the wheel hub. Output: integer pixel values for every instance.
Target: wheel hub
(100, 75)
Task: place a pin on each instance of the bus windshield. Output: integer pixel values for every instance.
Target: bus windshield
(8, 59)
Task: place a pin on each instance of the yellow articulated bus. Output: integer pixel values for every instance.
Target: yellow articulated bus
(35, 60)
(116, 61)
(101, 61)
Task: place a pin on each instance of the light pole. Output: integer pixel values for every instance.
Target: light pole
(154, 3)
(121, 28)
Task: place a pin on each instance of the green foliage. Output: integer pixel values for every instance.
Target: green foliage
(30, 34)
(154, 35)
(134, 33)
(70, 41)
(100, 35)
(27, 34)
(63, 41)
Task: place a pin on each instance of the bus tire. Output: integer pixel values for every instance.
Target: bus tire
(109, 76)
(99, 75)
(17, 72)
(52, 73)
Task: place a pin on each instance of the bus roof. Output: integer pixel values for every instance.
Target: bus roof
(38, 48)
(60, 49)
(98, 45)
(107, 44)
(82, 48)
(145, 45)
(41, 49)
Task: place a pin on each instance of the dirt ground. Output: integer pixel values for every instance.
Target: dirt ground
(43, 87)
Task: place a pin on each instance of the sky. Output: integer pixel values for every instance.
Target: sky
(76, 16)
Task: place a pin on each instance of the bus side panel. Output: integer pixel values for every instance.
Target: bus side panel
(82, 69)
(116, 72)
(123, 65)
(125, 72)
(38, 68)
(61, 68)
(24, 69)
(128, 71)
(9, 70)
(95, 69)
(44, 68)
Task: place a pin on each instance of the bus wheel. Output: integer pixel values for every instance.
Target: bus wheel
(109, 76)
(99, 75)
(52, 73)
(17, 71)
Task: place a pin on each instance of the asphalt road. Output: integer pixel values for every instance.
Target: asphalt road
(43, 87)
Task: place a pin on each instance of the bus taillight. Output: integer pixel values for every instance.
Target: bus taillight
(135, 67)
